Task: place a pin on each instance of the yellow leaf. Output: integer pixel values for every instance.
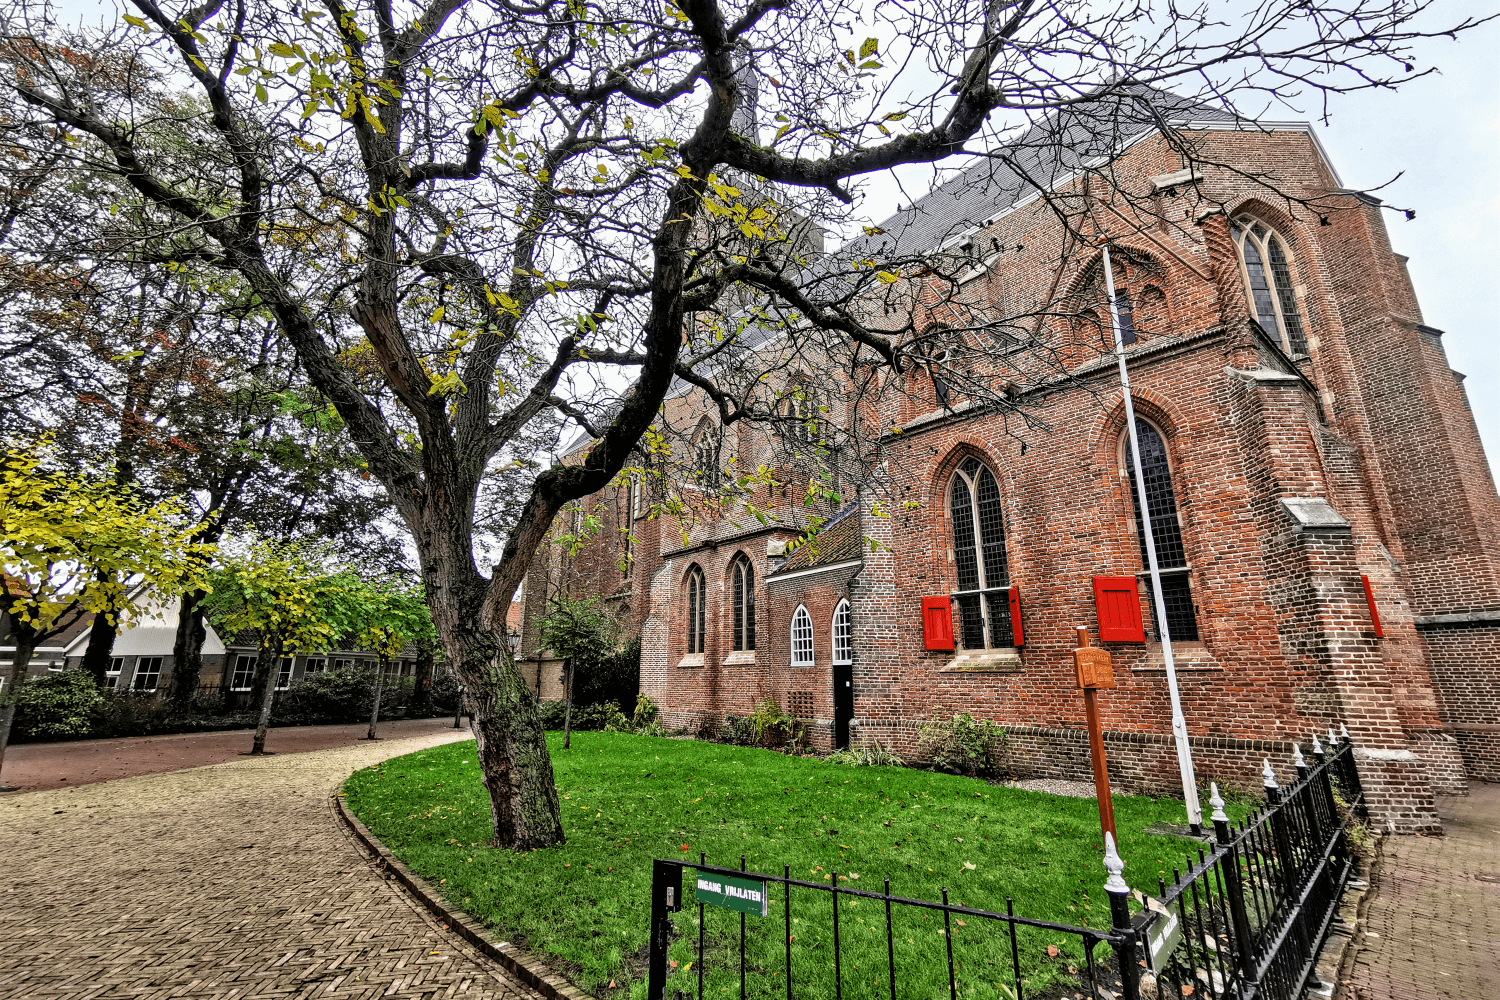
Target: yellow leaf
(138, 22)
(437, 314)
(869, 48)
(887, 278)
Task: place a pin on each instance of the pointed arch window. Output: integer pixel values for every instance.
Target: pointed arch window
(843, 634)
(706, 453)
(981, 598)
(697, 605)
(802, 637)
(743, 582)
(1166, 530)
(937, 353)
(1266, 268)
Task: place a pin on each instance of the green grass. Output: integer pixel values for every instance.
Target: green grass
(628, 799)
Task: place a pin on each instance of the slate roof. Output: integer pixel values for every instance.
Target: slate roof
(840, 540)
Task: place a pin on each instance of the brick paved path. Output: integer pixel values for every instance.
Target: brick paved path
(1432, 923)
(230, 881)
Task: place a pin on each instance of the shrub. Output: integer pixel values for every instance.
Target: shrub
(585, 717)
(737, 730)
(962, 744)
(54, 706)
(335, 695)
(873, 756)
(644, 722)
(445, 693)
(773, 728)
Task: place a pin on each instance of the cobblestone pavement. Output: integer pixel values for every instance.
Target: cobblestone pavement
(230, 881)
(1431, 927)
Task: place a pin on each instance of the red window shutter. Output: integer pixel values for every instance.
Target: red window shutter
(1370, 600)
(1018, 637)
(937, 623)
(1117, 602)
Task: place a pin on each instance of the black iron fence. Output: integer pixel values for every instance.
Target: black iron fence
(1248, 918)
(1244, 921)
(825, 945)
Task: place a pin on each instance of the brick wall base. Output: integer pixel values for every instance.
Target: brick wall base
(1397, 791)
(1447, 772)
(1481, 753)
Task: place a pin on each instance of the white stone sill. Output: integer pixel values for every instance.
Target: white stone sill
(1187, 657)
(740, 658)
(691, 660)
(990, 661)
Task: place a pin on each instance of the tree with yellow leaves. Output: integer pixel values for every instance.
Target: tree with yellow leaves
(72, 544)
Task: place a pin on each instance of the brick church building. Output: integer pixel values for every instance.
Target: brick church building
(1326, 524)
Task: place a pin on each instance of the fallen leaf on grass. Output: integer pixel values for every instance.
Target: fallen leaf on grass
(1052, 951)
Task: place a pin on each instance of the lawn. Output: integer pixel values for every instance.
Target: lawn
(628, 799)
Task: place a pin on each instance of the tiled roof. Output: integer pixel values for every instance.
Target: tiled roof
(839, 540)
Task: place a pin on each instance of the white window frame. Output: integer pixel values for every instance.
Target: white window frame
(842, 633)
(239, 671)
(136, 674)
(308, 667)
(112, 675)
(802, 638)
(284, 674)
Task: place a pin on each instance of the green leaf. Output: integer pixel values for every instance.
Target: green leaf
(138, 22)
(312, 106)
(282, 49)
(260, 94)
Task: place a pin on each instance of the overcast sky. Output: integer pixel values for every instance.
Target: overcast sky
(1442, 135)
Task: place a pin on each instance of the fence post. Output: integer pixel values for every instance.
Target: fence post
(1286, 862)
(1229, 867)
(666, 897)
(1119, 912)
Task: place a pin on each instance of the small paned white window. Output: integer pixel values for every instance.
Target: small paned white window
(147, 673)
(112, 675)
(843, 640)
(284, 675)
(315, 665)
(802, 638)
(244, 673)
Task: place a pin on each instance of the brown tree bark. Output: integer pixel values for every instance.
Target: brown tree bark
(375, 708)
(187, 651)
(101, 646)
(568, 708)
(25, 645)
(267, 668)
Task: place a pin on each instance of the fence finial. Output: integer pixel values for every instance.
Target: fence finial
(1114, 865)
(1317, 744)
(1269, 774)
(1333, 737)
(1297, 759)
(1216, 801)
(1343, 733)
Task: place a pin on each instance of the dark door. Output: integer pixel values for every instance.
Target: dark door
(843, 703)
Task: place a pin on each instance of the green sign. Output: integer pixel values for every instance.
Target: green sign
(742, 894)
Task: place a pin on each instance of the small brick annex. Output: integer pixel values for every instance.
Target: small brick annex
(1302, 471)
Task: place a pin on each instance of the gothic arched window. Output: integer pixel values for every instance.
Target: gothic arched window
(1266, 269)
(843, 634)
(937, 353)
(802, 638)
(1166, 529)
(979, 554)
(697, 604)
(706, 453)
(743, 581)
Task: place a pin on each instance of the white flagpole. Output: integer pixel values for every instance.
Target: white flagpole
(1179, 724)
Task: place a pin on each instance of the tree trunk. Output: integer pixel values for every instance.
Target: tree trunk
(270, 671)
(510, 744)
(421, 693)
(187, 651)
(101, 645)
(12, 689)
(568, 708)
(375, 709)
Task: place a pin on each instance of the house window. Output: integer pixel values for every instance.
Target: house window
(1268, 279)
(314, 665)
(112, 675)
(802, 638)
(147, 673)
(697, 610)
(1127, 316)
(843, 639)
(799, 407)
(981, 599)
(244, 673)
(743, 576)
(343, 664)
(284, 675)
(1166, 530)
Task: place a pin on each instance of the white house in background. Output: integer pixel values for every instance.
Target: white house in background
(142, 656)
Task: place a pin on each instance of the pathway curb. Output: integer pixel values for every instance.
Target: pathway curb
(526, 967)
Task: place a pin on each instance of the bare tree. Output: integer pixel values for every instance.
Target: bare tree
(510, 209)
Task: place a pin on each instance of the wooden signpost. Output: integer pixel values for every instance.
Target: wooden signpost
(1094, 672)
